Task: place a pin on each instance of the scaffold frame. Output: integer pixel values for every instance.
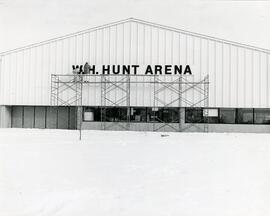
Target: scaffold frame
(61, 84)
(178, 86)
(108, 84)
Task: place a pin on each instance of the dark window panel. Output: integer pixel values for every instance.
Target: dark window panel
(194, 115)
(262, 116)
(63, 118)
(138, 114)
(72, 118)
(17, 117)
(168, 115)
(115, 114)
(152, 114)
(28, 117)
(40, 117)
(244, 116)
(227, 116)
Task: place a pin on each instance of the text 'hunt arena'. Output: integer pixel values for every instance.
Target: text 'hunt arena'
(133, 69)
(136, 75)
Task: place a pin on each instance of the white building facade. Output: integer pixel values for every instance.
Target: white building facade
(238, 96)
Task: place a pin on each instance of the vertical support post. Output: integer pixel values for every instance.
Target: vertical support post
(79, 120)
(103, 102)
(128, 101)
(52, 83)
(155, 98)
(57, 91)
(81, 105)
(206, 104)
(180, 103)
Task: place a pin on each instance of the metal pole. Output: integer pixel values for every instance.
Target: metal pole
(180, 103)
(206, 103)
(52, 89)
(81, 107)
(128, 102)
(155, 96)
(80, 123)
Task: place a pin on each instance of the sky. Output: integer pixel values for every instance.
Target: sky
(24, 22)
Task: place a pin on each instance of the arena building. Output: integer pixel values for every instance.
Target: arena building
(223, 86)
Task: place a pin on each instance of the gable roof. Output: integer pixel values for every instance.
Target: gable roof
(139, 21)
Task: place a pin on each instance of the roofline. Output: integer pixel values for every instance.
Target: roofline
(228, 42)
(66, 36)
(203, 36)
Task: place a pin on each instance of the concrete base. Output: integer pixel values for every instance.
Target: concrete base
(239, 128)
(221, 128)
(132, 126)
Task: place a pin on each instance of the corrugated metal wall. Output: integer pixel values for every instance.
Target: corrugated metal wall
(43, 117)
(238, 75)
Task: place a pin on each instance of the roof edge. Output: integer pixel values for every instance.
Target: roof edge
(65, 36)
(203, 36)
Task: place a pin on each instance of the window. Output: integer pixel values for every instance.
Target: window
(262, 116)
(91, 114)
(210, 115)
(244, 116)
(152, 114)
(227, 116)
(115, 114)
(171, 115)
(194, 115)
(167, 115)
(138, 114)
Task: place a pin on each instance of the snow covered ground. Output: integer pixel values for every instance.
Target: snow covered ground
(50, 172)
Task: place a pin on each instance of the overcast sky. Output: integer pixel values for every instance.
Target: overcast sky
(24, 22)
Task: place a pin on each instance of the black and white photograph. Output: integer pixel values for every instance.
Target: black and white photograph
(134, 107)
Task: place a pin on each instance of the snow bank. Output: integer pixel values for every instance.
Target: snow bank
(51, 172)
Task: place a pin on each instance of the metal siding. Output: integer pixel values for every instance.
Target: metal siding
(226, 74)
(28, 117)
(267, 81)
(248, 79)
(212, 73)
(40, 117)
(63, 118)
(256, 80)
(51, 118)
(72, 118)
(263, 78)
(234, 76)
(241, 77)
(17, 117)
(1, 80)
(238, 75)
(46, 74)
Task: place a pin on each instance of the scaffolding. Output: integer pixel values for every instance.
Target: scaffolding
(67, 90)
(73, 84)
(109, 84)
(180, 86)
